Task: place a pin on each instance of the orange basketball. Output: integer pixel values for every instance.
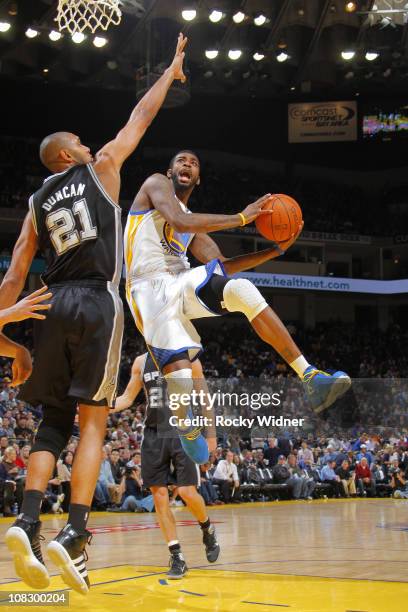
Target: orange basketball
(283, 222)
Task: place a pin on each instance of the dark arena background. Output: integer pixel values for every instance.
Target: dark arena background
(301, 97)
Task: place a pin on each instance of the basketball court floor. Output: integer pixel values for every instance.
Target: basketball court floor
(320, 556)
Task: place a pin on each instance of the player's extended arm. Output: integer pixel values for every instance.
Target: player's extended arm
(133, 387)
(118, 150)
(204, 248)
(27, 308)
(160, 191)
(200, 384)
(23, 255)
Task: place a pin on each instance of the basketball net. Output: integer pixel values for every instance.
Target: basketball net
(79, 15)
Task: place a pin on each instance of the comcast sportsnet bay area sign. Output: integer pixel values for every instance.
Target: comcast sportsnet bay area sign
(322, 121)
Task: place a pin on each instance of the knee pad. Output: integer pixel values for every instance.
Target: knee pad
(240, 295)
(54, 430)
(179, 382)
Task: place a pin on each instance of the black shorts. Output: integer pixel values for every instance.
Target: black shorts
(164, 462)
(77, 347)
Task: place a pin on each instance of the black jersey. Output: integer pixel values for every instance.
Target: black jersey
(78, 226)
(158, 412)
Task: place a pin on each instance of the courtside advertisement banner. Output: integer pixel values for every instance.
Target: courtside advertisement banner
(326, 283)
(322, 122)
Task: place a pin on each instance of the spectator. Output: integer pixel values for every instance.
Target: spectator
(107, 491)
(364, 453)
(305, 454)
(226, 477)
(131, 489)
(281, 475)
(116, 467)
(364, 478)
(206, 488)
(308, 484)
(346, 478)
(272, 452)
(64, 466)
(329, 476)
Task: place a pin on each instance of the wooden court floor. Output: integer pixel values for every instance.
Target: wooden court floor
(328, 555)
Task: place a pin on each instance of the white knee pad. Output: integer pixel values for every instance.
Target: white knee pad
(240, 295)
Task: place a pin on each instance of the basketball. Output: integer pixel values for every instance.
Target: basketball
(284, 220)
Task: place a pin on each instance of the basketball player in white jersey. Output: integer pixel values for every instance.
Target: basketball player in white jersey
(164, 294)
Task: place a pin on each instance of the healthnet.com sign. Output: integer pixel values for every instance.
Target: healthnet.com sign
(326, 283)
(322, 122)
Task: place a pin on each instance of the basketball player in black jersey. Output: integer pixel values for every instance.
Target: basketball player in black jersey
(75, 221)
(162, 450)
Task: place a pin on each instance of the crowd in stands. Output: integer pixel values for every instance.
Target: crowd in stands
(366, 457)
(327, 207)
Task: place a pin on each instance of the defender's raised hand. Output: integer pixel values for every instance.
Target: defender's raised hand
(177, 63)
(27, 307)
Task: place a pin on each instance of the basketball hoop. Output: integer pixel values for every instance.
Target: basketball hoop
(79, 15)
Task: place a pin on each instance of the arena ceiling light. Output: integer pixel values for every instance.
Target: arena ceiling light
(31, 33)
(282, 56)
(100, 41)
(216, 16)
(238, 17)
(189, 14)
(234, 54)
(258, 56)
(260, 20)
(4, 26)
(78, 38)
(211, 54)
(350, 7)
(348, 55)
(54, 35)
(371, 55)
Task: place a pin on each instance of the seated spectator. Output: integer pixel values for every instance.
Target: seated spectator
(13, 486)
(226, 477)
(206, 488)
(399, 481)
(364, 453)
(131, 489)
(6, 428)
(114, 459)
(22, 459)
(281, 475)
(64, 466)
(305, 454)
(347, 478)
(272, 453)
(106, 491)
(329, 476)
(22, 432)
(364, 478)
(308, 484)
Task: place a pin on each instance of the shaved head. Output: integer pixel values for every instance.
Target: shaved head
(62, 150)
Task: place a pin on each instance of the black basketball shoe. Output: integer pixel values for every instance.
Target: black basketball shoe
(67, 552)
(177, 566)
(23, 540)
(212, 548)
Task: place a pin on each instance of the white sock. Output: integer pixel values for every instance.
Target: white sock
(299, 365)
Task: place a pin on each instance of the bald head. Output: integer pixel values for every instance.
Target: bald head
(62, 150)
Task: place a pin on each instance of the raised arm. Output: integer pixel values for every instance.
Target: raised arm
(160, 192)
(118, 150)
(204, 248)
(23, 255)
(133, 387)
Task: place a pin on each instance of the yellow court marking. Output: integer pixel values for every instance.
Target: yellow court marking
(131, 587)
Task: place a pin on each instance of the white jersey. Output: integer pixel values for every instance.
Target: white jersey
(153, 247)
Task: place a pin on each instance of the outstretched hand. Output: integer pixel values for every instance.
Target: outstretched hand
(177, 63)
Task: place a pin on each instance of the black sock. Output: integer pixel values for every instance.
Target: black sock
(204, 526)
(175, 548)
(78, 516)
(32, 503)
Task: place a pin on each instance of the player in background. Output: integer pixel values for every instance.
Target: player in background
(164, 294)
(162, 451)
(75, 221)
(29, 307)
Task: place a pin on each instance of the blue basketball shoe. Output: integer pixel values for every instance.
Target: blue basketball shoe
(194, 444)
(323, 389)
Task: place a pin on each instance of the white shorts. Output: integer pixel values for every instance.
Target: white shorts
(164, 306)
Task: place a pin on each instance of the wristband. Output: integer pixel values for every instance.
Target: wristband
(244, 221)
